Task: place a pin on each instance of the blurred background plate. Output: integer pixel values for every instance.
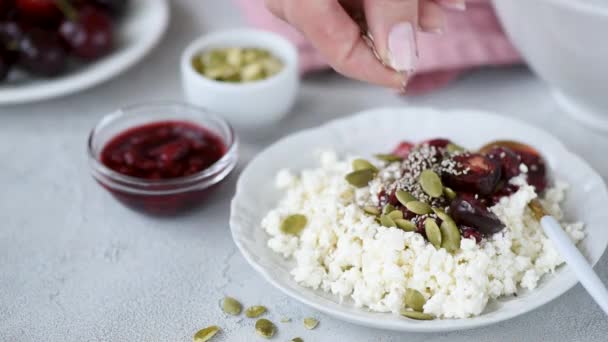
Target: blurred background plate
(137, 34)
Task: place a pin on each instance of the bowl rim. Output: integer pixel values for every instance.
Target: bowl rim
(335, 310)
(284, 49)
(146, 186)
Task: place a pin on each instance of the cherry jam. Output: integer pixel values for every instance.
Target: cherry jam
(166, 150)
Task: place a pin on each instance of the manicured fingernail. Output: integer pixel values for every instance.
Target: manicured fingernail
(459, 5)
(402, 54)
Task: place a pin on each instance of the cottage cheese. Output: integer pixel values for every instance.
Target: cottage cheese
(344, 251)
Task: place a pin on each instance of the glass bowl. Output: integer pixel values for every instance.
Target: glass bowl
(163, 196)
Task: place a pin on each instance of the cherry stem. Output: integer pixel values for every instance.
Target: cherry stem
(67, 9)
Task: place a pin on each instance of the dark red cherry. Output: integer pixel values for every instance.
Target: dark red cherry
(89, 35)
(42, 53)
(475, 173)
(438, 143)
(469, 211)
(509, 160)
(39, 11)
(403, 149)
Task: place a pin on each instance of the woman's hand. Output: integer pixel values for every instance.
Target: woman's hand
(393, 24)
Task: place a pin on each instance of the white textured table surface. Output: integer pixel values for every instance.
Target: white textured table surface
(77, 266)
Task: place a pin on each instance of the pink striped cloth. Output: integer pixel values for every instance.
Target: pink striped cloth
(472, 39)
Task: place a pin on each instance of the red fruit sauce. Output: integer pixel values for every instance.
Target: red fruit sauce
(165, 150)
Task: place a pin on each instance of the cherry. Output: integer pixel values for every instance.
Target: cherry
(403, 149)
(11, 32)
(42, 53)
(39, 11)
(89, 35)
(469, 211)
(114, 7)
(438, 143)
(6, 6)
(476, 174)
(471, 233)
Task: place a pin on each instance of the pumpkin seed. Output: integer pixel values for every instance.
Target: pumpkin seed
(255, 311)
(265, 328)
(293, 224)
(406, 225)
(450, 236)
(310, 323)
(404, 197)
(285, 320)
(443, 216)
(453, 148)
(395, 215)
(386, 221)
(449, 193)
(414, 299)
(297, 339)
(433, 233)
(388, 208)
(206, 334)
(416, 315)
(391, 158)
(418, 207)
(371, 210)
(431, 183)
(231, 306)
(360, 178)
(362, 164)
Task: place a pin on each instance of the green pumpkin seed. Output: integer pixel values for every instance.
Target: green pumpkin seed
(416, 315)
(391, 158)
(418, 207)
(285, 320)
(404, 197)
(297, 339)
(431, 183)
(433, 233)
(449, 193)
(414, 299)
(371, 210)
(443, 216)
(362, 164)
(231, 306)
(293, 224)
(206, 334)
(265, 328)
(386, 221)
(406, 225)
(388, 208)
(453, 148)
(450, 236)
(310, 323)
(360, 178)
(395, 215)
(255, 311)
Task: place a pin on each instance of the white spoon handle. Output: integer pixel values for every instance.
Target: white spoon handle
(576, 261)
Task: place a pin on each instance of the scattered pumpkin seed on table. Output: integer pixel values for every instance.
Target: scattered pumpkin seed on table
(421, 316)
(431, 183)
(206, 334)
(297, 339)
(265, 328)
(310, 323)
(362, 164)
(293, 224)
(414, 299)
(360, 178)
(255, 311)
(231, 306)
(285, 320)
(433, 233)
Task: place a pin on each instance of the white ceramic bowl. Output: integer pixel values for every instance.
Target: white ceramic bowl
(245, 105)
(379, 130)
(137, 34)
(564, 41)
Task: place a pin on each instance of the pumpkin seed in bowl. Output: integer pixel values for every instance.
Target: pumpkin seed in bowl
(237, 65)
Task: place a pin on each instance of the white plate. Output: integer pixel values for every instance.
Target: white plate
(137, 33)
(380, 130)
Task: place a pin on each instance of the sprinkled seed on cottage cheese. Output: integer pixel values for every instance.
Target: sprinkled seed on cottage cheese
(345, 251)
